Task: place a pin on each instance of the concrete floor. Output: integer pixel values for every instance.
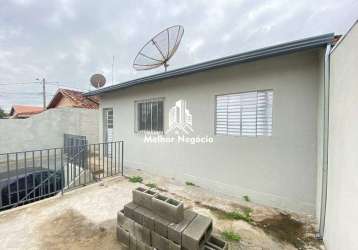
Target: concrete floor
(85, 218)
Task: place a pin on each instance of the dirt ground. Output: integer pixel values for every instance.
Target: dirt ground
(85, 218)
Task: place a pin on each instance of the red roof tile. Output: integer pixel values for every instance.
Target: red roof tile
(79, 101)
(24, 111)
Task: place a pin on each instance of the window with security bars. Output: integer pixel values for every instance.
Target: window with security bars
(150, 116)
(244, 114)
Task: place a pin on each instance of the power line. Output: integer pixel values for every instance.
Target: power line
(59, 84)
(21, 93)
(25, 83)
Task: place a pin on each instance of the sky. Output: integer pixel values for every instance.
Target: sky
(66, 41)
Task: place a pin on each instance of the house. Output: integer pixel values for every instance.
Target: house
(24, 111)
(73, 98)
(255, 123)
(262, 109)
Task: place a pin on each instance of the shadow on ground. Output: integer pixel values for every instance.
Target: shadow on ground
(72, 230)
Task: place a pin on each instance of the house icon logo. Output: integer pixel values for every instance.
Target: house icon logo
(180, 118)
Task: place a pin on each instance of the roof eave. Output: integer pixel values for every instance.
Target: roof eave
(276, 50)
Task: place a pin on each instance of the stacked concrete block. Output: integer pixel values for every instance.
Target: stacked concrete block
(197, 232)
(215, 243)
(170, 209)
(175, 230)
(154, 221)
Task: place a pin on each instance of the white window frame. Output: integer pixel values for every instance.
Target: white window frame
(240, 134)
(136, 120)
(105, 123)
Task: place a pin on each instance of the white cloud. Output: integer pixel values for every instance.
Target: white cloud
(68, 40)
(195, 45)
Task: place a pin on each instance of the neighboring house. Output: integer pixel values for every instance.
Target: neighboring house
(73, 98)
(266, 111)
(24, 111)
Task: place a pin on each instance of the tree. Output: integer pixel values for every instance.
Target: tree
(2, 113)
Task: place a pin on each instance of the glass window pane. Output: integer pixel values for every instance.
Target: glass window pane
(160, 116)
(150, 116)
(155, 116)
(148, 121)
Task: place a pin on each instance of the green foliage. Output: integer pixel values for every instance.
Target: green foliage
(246, 198)
(135, 179)
(237, 215)
(248, 211)
(188, 183)
(230, 235)
(151, 185)
(2, 113)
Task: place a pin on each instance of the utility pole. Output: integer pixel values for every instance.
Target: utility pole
(113, 70)
(44, 92)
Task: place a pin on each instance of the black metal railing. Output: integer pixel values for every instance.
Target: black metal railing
(34, 175)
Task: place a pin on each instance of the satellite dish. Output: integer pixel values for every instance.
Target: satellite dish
(98, 80)
(159, 49)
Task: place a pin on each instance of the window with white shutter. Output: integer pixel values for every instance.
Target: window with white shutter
(244, 114)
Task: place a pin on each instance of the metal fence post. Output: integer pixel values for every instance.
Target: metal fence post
(62, 173)
(122, 157)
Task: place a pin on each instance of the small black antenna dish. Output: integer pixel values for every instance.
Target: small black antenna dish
(98, 80)
(159, 49)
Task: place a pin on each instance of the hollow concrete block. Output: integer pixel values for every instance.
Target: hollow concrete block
(129, 210)
(125, 222)
(161, 226)
(159, 242)
(132, 242)
(197, 232)
(146, 217)
(168, 208)
(175, 229)
(215, 243)
(206, 247)
(143, 197)
(142, 234)
(138, 215)
(141, 246)
(173, 246)
(122, 235)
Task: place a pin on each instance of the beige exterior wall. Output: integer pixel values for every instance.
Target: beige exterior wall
(342, 202)
(280, 170)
